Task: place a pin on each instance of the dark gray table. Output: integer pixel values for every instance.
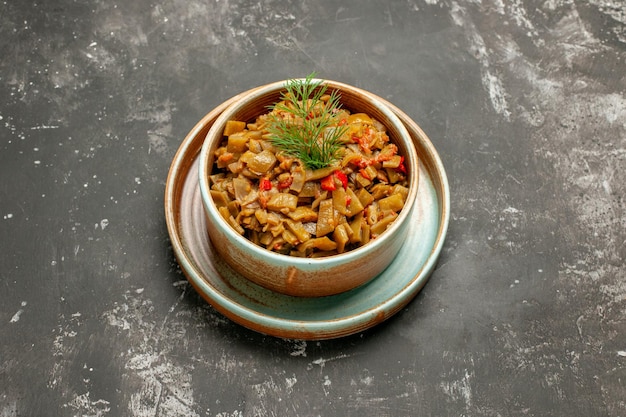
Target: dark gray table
(525, 314)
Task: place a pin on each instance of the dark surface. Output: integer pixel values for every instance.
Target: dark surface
(525, 314)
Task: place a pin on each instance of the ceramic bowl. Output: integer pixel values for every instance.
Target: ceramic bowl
(307, 277)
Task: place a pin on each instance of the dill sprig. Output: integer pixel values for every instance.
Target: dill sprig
(304, 125)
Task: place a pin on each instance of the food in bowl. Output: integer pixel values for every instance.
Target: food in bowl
(308, 178)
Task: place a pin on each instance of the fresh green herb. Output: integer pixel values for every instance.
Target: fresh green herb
(304, 126)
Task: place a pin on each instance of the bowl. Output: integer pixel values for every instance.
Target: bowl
(299, 276)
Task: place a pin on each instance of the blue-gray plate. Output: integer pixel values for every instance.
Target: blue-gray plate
(314, 318)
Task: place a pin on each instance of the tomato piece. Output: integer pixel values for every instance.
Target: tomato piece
(342, 177)
(401, 167)
(265, 184)
(365, 162)
(286, 183)
(328, 183)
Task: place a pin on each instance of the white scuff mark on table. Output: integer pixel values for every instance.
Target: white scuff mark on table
(160, 117)
(165, 390)
(367, 380)
(44, 127)
(299, 348)
(497, 94)
(262, 398)
(291, 382)
(104, 223)
(142, 361)
(576, 41)
(235, 413)
(9, 407)
(321, 362)
(579, 325)
(459, 389)
(607, 187)
(64, 351)
(16, 316)
(229, 364)
(84, 405)
(614, 292)
(115, 317)
(520, 16)
(615, 109)
(158, 384)
(326, 384)
(493, 85)
(617, 10)
(157, 143)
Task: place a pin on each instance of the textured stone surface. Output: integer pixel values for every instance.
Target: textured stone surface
(525, 313)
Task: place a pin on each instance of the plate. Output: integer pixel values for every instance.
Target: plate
(284, 316)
